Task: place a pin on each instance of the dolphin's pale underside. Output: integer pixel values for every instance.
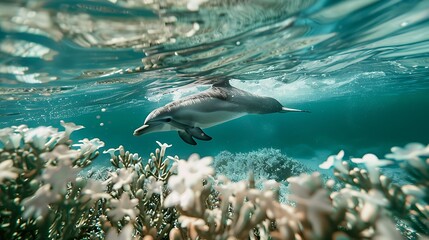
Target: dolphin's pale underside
(219, 104)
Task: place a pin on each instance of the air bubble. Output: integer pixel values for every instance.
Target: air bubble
(404, 24)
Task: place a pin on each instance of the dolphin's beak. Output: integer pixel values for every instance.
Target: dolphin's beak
(141, 130)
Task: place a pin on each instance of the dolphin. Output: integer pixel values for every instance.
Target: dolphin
(219, 104)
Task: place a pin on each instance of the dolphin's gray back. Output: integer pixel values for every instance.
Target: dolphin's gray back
(248, 102)
(224, 98)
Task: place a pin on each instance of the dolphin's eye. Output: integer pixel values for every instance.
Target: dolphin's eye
(168, 119)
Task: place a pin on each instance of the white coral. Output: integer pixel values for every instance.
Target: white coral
(4, 134)
(153, 186)
(371, 160)
(111, 151)
(87, 147)
(61, 153)
(11, 137)
(163, 147)
(123, 207)
(411, 151)
(39, 136)
(63, 137)
(59, 176)
(125, 234)
(180, 195)
(38, 204)
(7, 171)
(418, 192)
(122, 178)
(188, 182)
(21, 129)
(194, 170)
(70, 127)
(336, 162)
(194, 5)
(94, 190)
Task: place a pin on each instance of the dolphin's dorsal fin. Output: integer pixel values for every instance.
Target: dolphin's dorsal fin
(222, 83)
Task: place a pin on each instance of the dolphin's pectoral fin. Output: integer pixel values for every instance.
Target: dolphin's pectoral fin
(198, 133)
(187, 138)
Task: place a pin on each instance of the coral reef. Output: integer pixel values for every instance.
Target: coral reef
(263, 164)
(49, 191)
(39, 188)
(266, 163)
(42, 196)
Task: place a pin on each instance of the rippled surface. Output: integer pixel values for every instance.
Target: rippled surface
(69, 59)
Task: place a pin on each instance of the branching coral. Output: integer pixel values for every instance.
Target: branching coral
(360, 205)
(138, 193)
(38, 197)
(266, 163)
(42, 195)
(408, 202)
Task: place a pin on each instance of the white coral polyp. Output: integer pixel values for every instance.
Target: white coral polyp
(123, 207)
(61, 153)
(122, 178)
(271, 185)
(39, 136)
(11, 137)
(228, 188)
(70, 127)
(194, 5)
(38, 204)
(111, 152)
(371, 160)
(180, 195)
(125, 234)
(188, 182)
(10, 140)
(87, 147)
(335, 161)
(4, 134)
(163, 147)
(7, 171)
(153, 186)
(194, 170)
(59, 176)
(21, 128)
(411, 151)
(94, 190)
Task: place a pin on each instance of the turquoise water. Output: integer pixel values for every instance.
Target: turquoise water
(360, 67)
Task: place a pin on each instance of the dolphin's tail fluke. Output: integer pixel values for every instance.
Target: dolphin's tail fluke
(285, 109)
